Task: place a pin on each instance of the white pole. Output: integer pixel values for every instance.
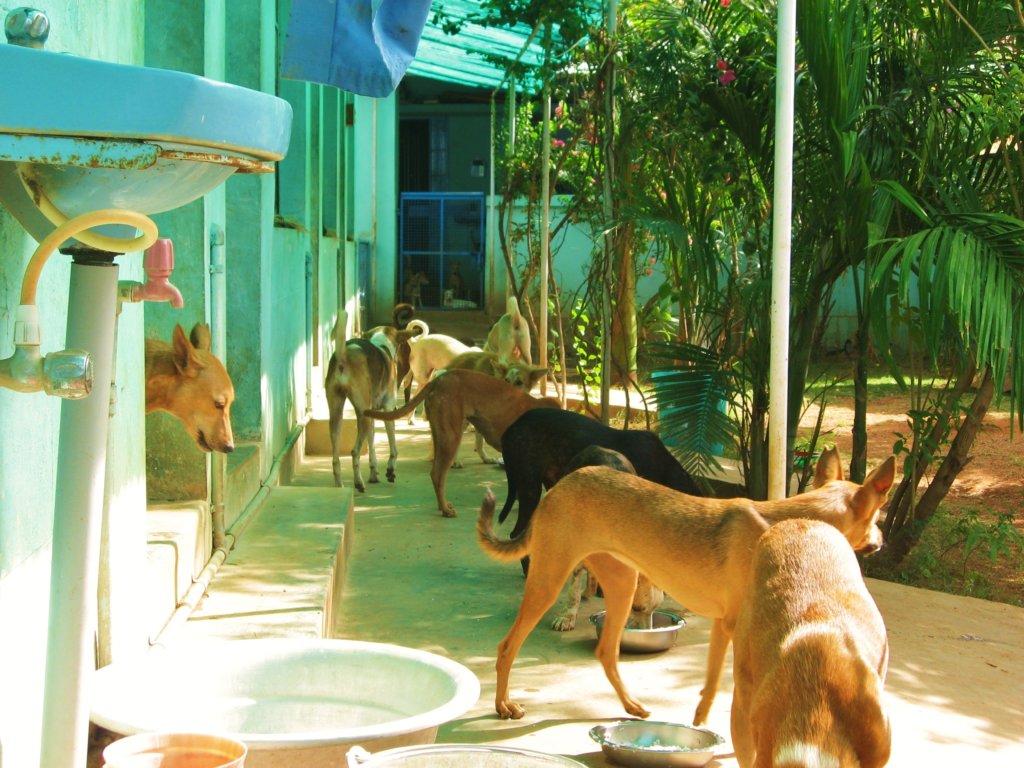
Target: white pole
(545, 225)
(781, 227)
(608, 240)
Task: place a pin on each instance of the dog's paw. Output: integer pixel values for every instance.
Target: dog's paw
(457, 464)
(701, 715)
(489, 460)
(391, 475)
(636, 709)
(509, 710)
(448, 510)
(565, 623)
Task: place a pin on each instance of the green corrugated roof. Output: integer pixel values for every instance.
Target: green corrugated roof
(457, 58)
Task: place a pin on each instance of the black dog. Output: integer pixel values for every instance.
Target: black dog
(538, 447)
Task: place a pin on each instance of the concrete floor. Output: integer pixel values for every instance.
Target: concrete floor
(955, 689)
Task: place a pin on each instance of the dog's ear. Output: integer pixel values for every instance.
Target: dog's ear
(535, 374)
(185, 359)
(498, 368)
(872, 494)
(829, 467)
(201, 338)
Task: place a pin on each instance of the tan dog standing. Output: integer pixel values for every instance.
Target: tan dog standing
(518, 373)
(698, 550)
(362, 371)
(810, 655)
(451, 399)
(510, 335)
(185, 379)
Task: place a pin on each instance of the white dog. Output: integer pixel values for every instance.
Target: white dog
(430, 352)
(510, 336)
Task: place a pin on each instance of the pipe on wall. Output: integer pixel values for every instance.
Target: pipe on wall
(219, 347)
(202, 582)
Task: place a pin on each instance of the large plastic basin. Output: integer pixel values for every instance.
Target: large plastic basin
(292, 701)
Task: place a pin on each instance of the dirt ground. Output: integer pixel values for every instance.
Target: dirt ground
(992, 483)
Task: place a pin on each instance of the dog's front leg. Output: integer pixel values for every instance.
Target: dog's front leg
(389, 427)
(739, 722)
(565, 621)
(481, 451)
(541, 592)
(721, 636)
(618, 581)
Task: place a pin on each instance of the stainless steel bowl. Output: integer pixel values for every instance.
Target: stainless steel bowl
(661, 637)
(643, 743)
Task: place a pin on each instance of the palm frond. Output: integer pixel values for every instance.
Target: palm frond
(692, 389)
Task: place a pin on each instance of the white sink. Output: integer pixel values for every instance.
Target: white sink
(86, 134)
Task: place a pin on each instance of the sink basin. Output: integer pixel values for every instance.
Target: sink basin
(79, 135)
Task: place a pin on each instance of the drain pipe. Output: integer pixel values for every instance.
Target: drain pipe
(78, 514)
(219, 344)
(81, 471)
(309, 332)
(202, 582)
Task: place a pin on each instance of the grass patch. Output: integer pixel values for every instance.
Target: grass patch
(963, 552)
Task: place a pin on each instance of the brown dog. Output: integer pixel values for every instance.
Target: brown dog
(510, 335)
(647, 596)
(414, 288)
(451, 399)
(696, 549)
(185, 379)
(810, 635)
(362, 371)
(518, 373)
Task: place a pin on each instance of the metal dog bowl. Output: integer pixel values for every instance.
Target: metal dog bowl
(661, 637)
(643, 743)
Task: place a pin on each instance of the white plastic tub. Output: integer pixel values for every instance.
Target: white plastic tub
(458, 756)
(292, 701)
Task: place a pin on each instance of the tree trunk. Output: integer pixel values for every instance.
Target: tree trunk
(902, 501)
(956, 459)
(624, 333)
(859, 454)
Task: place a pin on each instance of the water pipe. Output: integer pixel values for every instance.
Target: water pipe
(81, 469)
(68, 373)
(218, 346)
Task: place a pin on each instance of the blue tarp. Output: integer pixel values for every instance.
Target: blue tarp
(345, 43)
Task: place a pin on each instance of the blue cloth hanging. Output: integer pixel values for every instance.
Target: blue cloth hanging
(345, 43)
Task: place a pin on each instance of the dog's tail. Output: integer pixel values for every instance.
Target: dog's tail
(340, 332)
(512, 310)
(503, 550)
(406, 409)
(402, 315)
(423, 330)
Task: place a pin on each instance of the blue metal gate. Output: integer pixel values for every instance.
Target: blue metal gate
(441, 256)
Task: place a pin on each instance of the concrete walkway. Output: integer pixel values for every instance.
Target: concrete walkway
(956, 681)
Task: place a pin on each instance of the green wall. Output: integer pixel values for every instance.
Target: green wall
(289, 255)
